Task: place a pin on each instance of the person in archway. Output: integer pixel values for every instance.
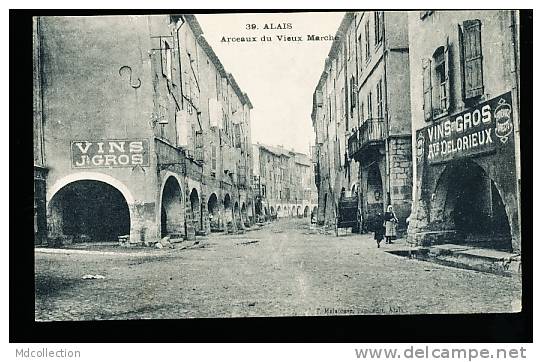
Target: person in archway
(390, 223)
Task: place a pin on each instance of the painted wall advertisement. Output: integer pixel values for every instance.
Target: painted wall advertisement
(109, 153)
(476, 131)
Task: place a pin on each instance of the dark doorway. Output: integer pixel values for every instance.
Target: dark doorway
(474, 206)
(172, 213)
(195, 208)
(212, 208)
(90, 210)
(374, 202)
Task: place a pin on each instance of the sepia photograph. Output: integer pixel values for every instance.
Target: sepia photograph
(277, 164)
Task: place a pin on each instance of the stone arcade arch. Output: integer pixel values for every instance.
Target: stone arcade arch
(214, 214)
(171, 209)
(244, 214)
(195, 209)
(306, 211)
(298, 211)
(227, 209)
(278, 211)
(293, 212)
(468, 201)
(88, 210)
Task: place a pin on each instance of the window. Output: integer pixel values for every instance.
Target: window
(379, 27)
(369, 105)
(213, 158)
(360, 55)
(198, 137)
(166, 59)
(367, 42)
(440, 81)
(470, 39)
(436, 83)
(379, 106)
(361, 114)
(352, 95)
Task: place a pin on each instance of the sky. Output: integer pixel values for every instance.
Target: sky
(278, 76)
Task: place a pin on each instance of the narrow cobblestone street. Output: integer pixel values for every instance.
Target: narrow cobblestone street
(283, 269)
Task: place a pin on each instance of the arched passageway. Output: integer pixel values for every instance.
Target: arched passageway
(278, 212)
(467, 200)
(227, 209)
(306, 211)
(213, 210)
(298, 211)
(172, 212)
(89, 210)
(244, 214)
(293, 213)
(374, 197)
(237, 214)
(195, 209)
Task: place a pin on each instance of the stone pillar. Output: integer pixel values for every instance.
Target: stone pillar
(401, 178)
(206, 226)
(189, 218)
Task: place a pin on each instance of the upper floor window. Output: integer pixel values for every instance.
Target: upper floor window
(436, 83)
(166, 59)
(379, 27)
(360, 54)
(369, 105)
(352, 95)
(367, 42)
(379, 102)
(361, 113)
(470, 42)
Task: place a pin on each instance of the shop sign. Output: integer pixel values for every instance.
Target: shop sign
(109, 153)
(478, 130)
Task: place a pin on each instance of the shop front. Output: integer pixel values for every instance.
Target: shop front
(466, 179)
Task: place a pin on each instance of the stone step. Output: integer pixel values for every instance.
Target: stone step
(465, 257)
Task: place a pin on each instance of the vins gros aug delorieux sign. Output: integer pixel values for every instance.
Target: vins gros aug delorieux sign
(110, 153)
(475, 131)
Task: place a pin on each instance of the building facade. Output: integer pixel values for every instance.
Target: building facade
(283, 183)
(465, 127)
(144, 132)
(361, 117)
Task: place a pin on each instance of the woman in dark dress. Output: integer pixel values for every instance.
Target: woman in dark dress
(379, 229)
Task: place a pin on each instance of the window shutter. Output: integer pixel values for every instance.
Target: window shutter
(472, 52)
(199, 146)
(461, 60)
(353, 92)
(427, 94)
(447, 64)
(182, 128)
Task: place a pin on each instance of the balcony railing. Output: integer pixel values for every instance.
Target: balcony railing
(372, 131)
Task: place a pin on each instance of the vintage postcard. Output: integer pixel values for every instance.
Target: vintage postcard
(274, 164)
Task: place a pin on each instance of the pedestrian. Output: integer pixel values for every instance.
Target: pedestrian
(390, 223)
(379, 229)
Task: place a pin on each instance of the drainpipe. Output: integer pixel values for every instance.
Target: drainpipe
(386, 123)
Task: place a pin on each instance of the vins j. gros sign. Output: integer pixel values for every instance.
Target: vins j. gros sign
(475, 131)
(109, 153)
